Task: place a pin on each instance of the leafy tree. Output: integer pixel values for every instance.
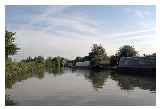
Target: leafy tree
(48, 62)
(113, 60)
(39, 59)
(61, 62)
(154, 54)
(97, 54)
(127, 51)
(78, 59)
(85, 58)
(29, 59)
(10, 46)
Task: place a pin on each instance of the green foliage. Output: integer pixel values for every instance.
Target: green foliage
(82, 59)
(97, 55)
(17, 71)
(48, 62)
(38, 59)
(78, 59)
(113, 60)
(10, 46)
(127, 51)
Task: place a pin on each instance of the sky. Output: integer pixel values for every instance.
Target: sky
(70, 31)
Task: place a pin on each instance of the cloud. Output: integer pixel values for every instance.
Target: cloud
(35, 43)
(134, 34)
(62, 23)
(56, 31)
(60, 36)
(141, 13)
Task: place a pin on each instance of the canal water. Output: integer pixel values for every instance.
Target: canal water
(83, 87)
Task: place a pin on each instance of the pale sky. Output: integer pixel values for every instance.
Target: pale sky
(70, 31)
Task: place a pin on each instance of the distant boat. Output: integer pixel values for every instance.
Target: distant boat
(147, 64)
(84, 64)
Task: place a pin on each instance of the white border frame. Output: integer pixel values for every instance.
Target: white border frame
(73, 2)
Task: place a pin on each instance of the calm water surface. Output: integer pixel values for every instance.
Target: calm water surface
(83, 87)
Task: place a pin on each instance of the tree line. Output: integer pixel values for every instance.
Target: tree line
(96, 56)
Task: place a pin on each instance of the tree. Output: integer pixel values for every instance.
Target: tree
(85, 58)
(97, 54)
(78, 59)
(154, 54)
(127, 51)
(61, 62)
(113, 60)
(48, 62)
(39, 59)
(10, 46)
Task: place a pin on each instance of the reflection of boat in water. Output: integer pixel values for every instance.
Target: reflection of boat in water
(97, 67)
(125, 81)
(129, 82)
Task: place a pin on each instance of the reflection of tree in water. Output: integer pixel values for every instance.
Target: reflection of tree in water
(98, 78)
(22, 71)
(55, 65)
(55, 71)
(9, 101)
(39, 70)
(129, 82)
(19, 72)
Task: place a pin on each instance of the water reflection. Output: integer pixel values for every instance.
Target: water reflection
(35, 70)
(97, 78)
(9, 101)
(129, 82)
(55, 71)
